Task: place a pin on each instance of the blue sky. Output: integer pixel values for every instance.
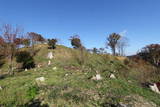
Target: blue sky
(93, 20)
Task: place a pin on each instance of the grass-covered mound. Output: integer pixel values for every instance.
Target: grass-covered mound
(68, 82)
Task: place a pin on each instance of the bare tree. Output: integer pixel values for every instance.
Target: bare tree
(10, 37)
(121, 45)
(34, 39)
(112, 41)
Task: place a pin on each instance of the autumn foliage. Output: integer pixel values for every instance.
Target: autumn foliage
(151, 53)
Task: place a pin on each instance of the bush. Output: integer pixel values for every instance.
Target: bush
(76, 42)
(1, 60)
(32, 92)
(52, 43)
(26, 59)
(151, 54)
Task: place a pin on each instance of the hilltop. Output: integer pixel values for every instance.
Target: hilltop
(68, 81)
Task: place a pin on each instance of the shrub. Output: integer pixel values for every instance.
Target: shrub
(76, 42)
(26, 59)
(32, 92)
(26, 42)
(151, 53)
(2, 60)
(52, 43)
(126, 61)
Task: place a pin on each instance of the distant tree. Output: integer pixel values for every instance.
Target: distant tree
(102, 51)
(151, 53)
(34, 39)
(95, 50)
(76, 42)
(9, 36)
(26, 42)
(121, 45)
(52, 43)
(26, 59)
(2, 45)
(1, 41)
(112, 41)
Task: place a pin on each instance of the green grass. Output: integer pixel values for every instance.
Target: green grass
(75, 89)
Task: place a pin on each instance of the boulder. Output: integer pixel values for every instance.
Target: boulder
(66, 74)
(154, 88)
(54, 68)
(50, 55)
(40, 79)
(112, 76)
(0, 88)
(39, 65)
(49, 62)
(26, 69)
(97, 77)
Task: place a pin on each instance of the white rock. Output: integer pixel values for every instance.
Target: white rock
(54, 68)
(50, 55)
(93, 78)
(26, 69)
(0, 88)
(38, 66)
(49, 62)
(112, 76)
(66, 74)
(97, 77)
(40, 79)
(154, 88)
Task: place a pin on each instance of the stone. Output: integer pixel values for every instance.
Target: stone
(49, 62)
(54, 68)
(38, 66)
(50, 55)
(112, 76)
(97, 77)
(40, 79)
(154, 88)
(66, 74)
(26, 69)
(0, 88)
(122, 105)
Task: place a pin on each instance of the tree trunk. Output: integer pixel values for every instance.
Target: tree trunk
(114, 51)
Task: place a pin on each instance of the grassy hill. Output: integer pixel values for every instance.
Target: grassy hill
(68, 82)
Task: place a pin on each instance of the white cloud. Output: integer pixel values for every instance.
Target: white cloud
(123, 33)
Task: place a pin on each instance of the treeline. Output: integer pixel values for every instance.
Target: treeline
(13, 38)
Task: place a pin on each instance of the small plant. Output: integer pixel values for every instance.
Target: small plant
(32, 92)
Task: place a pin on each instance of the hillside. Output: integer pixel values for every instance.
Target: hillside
(68, 81)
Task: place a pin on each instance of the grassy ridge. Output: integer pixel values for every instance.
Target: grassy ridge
(69, 85)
